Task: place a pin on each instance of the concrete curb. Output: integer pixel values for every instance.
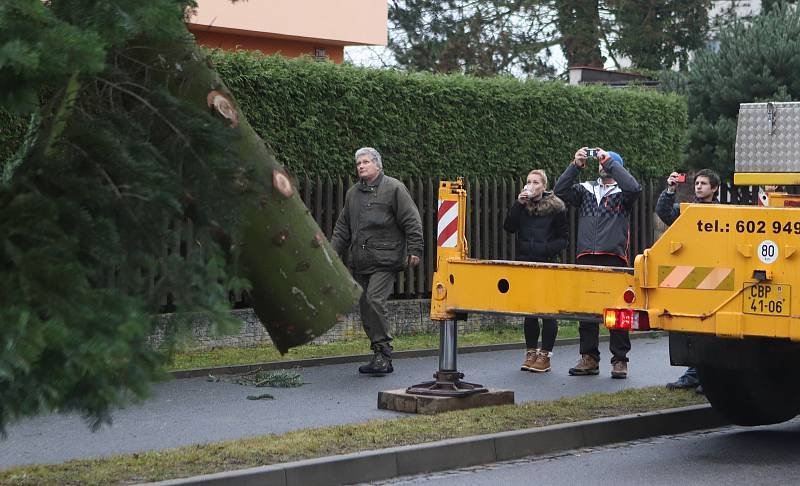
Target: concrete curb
(449, 454)
(357, 358)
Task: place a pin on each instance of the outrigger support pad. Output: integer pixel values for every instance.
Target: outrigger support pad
(447, 381)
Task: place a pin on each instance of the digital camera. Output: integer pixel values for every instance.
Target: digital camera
(680, 179)
(592, 153)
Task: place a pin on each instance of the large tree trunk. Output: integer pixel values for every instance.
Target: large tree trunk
(300, 287)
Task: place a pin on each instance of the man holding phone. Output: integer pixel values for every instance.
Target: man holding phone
(706, 184)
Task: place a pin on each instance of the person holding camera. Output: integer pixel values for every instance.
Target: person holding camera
(706, 184)
(604, 208)
(539, 221)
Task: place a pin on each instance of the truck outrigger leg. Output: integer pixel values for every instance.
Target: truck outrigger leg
(447, 381)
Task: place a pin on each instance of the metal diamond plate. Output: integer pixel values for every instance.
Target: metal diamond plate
(761, 147)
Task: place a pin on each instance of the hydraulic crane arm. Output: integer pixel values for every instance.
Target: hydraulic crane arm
(463, 285)
(507, 287)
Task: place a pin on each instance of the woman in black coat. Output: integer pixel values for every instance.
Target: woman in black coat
(538, 218)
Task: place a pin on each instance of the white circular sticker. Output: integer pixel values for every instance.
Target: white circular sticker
(767, 251)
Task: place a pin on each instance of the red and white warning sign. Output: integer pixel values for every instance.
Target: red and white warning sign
(447, 231)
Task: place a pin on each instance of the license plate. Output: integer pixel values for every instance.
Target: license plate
(767, 300)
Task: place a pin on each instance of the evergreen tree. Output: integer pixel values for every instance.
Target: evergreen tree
(515, 36)
(132, 136)
(768, 5)
(579, 24)
(757, 61)
(659, 34)
(481, 38)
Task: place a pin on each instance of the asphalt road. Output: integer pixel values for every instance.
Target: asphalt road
(731, 456)
(195, 411)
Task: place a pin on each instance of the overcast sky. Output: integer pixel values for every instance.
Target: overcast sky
(380, 56)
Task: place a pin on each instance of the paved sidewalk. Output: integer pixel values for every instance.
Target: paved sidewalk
(193, 411)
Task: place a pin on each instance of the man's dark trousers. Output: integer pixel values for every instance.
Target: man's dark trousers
(374, 313)
(620, 341)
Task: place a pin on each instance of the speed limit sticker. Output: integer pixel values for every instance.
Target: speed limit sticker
(767, 251)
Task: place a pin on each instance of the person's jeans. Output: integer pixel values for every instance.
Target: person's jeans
(589, 332)
(549, 331)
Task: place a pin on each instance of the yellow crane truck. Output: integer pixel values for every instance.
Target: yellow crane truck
(723, 280)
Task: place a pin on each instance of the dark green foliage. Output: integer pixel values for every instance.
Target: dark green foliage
(579, 24)
(676, 82)
(657, 35)
(262, 378)
(514, 36)
(85, 216)
(758, 61)
(37, 49)
(467, 37)
(12, 133)
(767, 5)
(315, 115)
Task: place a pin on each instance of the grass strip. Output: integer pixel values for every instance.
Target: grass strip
(266, 353)
(326, 441)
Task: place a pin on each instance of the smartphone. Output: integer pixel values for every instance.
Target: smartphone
(681, 178)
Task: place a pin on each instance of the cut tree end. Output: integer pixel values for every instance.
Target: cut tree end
(222, 104)
(282, 183)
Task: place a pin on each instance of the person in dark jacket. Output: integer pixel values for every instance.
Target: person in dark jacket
(378, 233)
(538, 218)
(604, 208)
(706, 184)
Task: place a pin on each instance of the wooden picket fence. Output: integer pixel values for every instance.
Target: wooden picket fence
(489, 200)
(488, 203)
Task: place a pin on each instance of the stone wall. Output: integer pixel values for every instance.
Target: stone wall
(406, 317)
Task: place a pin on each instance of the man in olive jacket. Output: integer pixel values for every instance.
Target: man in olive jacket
(378, 233)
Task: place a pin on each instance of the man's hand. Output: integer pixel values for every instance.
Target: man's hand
(672, 181)
(602, 156)
(580, 157)
(413, 260)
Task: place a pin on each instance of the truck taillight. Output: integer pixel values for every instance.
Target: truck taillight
(626, 319)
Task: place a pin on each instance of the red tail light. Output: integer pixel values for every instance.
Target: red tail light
(626, 319)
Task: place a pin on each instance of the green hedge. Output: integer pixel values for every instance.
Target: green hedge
(315, 115)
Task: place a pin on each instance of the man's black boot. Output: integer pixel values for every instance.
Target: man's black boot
(380, 364)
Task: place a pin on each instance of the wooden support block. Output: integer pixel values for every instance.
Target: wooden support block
(400, 401)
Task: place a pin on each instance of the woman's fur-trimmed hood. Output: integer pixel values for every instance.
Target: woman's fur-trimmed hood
(547, 205)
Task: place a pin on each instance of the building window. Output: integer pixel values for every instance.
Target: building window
(320, 54)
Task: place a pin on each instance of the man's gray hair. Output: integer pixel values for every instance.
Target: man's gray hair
(374, 155)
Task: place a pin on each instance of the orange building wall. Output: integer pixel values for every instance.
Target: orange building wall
(285, 47)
